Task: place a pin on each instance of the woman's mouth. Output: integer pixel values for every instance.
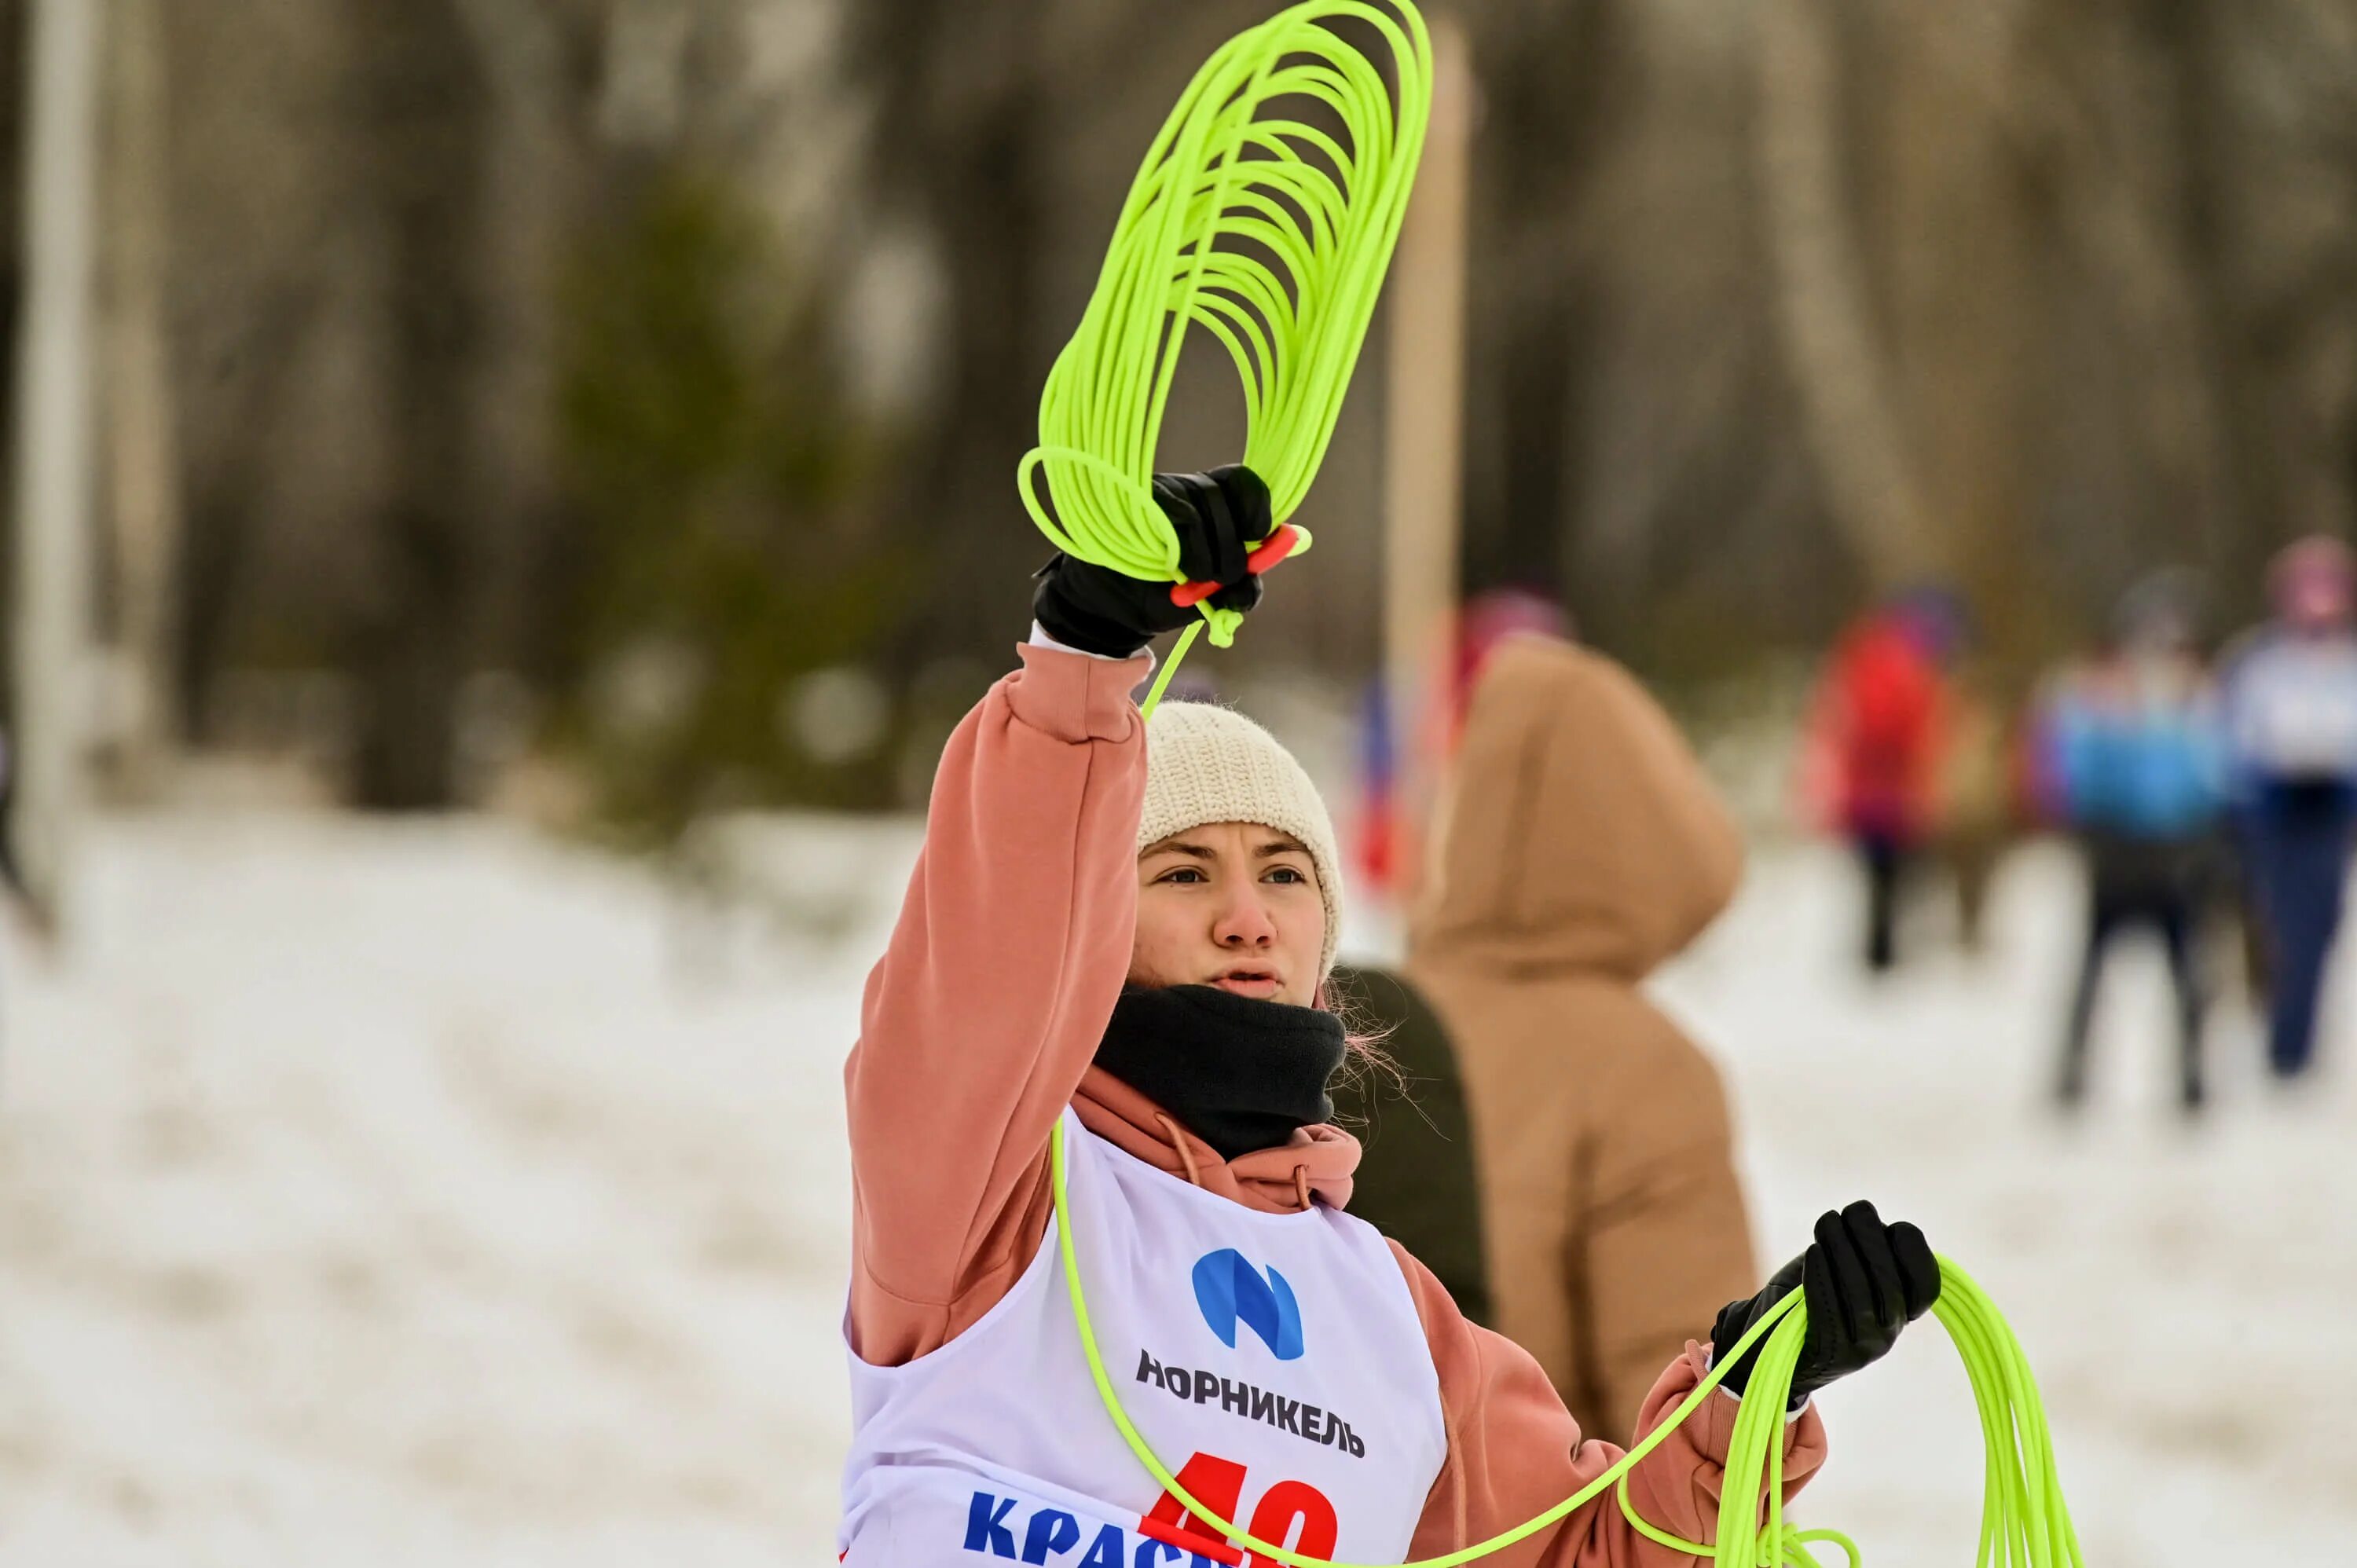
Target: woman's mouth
(1259, 983)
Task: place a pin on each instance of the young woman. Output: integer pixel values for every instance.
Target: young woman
(1125, 928)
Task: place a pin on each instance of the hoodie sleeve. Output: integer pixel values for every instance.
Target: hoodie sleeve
(1011, 950)
(1514, 1451)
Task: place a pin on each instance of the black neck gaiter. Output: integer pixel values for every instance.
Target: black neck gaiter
(1238, 1072)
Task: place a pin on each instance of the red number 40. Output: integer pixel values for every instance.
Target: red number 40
(1219, 1485)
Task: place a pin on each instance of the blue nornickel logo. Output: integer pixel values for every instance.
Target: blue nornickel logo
(1230, 1291)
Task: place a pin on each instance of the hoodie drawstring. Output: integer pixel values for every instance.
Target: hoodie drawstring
(1179, 1142)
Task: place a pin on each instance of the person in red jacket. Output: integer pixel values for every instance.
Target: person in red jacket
(1877, 736)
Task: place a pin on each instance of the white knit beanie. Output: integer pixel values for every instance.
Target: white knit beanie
(1208, 764)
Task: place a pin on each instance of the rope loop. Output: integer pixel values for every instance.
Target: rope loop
(1253, 221)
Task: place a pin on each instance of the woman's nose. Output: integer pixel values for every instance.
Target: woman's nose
(1245, 923)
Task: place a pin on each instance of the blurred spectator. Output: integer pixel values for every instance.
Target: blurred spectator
(1378, 832)
(1417, 1182)
(2291, 730)
(1972, 801)
(1584, 847)
(1488, 619)
(1880, 736)
(2128, 757)
(1383, 847)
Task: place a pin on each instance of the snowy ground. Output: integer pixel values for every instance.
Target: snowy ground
(2182, 1292)
(376, 1195)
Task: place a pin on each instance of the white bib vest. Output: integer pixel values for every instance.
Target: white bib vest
(1275, 1362)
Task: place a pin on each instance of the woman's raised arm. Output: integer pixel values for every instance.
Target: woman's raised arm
(1011, 949)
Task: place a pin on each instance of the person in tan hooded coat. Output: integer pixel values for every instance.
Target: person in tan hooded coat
(1582, 847)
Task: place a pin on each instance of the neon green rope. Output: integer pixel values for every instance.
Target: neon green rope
(1270, 234)
(2024, 1521)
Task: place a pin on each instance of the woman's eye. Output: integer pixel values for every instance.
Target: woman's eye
(1181, 874)
(1285, 874)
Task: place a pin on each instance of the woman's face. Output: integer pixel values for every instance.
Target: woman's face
(1232, 904)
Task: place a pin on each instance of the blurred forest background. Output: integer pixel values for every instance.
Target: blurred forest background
(626, 394)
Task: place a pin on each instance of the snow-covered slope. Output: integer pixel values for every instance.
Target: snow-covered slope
(385, 1195)
(375, 1194)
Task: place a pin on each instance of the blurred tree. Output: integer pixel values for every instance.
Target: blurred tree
(1550, 96)
(718, 569)
(1822, 301)
(544, 161)
(267, 280)
(421, 91)
(1771, 306)
(960, 125)
(12, 187)
(139, 467)
(2263, 95)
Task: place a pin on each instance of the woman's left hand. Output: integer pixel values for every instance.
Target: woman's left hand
(1862, 1281)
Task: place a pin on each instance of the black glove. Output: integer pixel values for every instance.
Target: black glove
(1218, 517)
(1863, 1282)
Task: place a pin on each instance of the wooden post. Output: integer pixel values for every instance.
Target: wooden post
(1423, 444)
(51, 618)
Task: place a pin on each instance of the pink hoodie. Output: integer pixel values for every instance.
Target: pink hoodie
(979, 1026)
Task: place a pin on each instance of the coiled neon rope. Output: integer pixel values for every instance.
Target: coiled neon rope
(1269, 233)
(2024, 1521)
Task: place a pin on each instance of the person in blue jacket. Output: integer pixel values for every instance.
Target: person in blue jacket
(2290, 692)
(2130, 760)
